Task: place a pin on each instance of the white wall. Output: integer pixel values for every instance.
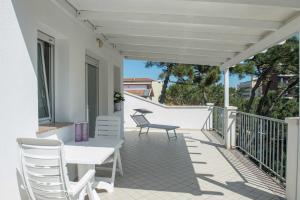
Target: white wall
(190, 117)
(18, 99)
(19, 22)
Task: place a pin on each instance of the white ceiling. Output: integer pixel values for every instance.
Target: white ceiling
(212, 32)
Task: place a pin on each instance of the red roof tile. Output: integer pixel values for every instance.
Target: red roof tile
(137, 80)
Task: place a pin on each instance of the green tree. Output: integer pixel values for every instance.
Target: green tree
(266, 66)
(167, 69)
(180, 71)
(204, 77)
(193, 84)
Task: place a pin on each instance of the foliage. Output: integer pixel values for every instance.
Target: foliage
(198, 84)
(118, 97)
(193, 84)
(282, 59)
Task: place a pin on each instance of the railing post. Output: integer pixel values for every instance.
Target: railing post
(293, 159)
(210, 116)
(229, 126)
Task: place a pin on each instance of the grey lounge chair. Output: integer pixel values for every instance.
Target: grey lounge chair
(142, 122)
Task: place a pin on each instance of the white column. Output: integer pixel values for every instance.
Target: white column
(226, 87)
(229, 126)
(293, 159)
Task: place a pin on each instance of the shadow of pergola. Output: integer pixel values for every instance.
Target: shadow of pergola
(153, 163)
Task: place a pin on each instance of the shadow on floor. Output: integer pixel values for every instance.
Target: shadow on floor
(151, 162)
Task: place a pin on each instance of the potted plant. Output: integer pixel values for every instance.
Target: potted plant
(118, 98)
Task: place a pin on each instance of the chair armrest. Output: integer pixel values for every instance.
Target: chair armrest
(88, 176)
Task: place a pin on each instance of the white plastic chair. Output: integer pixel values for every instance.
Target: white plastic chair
(109, 126)
(44, 172)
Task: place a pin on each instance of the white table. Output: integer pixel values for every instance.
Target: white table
(95, 152)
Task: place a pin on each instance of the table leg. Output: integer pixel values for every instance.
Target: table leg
(119, 162)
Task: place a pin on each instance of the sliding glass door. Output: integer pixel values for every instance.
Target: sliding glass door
(92, 96)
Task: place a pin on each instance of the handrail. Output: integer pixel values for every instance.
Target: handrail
(218, 120)
(262, 117)
(264, 139)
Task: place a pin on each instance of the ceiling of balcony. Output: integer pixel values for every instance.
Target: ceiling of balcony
(212, 32)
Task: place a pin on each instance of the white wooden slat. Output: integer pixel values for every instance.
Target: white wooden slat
(176, 56)
(103, 17)
(107, 133)
(182, 34)
(107, 128)
(176, 60)
(171, 50)
(205, 45)
(108, 125)
(107, 122)
(291, 4)
(284, 32)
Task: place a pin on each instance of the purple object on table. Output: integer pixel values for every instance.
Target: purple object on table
(85, 131)
(78, 132)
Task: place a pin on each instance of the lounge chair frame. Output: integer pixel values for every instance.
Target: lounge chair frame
(142, 122)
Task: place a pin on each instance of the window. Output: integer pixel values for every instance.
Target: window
(45, 77)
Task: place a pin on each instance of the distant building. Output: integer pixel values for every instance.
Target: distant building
(156, 87)
(282, 80)
(143, 87)
(246, 87)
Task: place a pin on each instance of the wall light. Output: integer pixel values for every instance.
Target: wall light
(99, 42)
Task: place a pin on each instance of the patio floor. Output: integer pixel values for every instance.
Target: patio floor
(195, 166)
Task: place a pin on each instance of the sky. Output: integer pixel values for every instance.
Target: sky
(136, 69)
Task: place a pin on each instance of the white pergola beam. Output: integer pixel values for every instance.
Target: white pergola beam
(175, 60)
(104, 17)
(119, 27)
(172, 50)
(291, 4)
(284, 32)
(164, 34)
(173, 56)
(181, 43)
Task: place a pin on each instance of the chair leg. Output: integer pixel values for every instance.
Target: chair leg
(168, 134)
(148, 130)
(140, 131)
(175, 133)
(113, 175)
(82, 194)
(92, 193)
(120, 163)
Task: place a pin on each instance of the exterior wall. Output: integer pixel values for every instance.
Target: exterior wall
(156, 87)
(18, 83)
(190, 117)
(135, 86)
(246, 87)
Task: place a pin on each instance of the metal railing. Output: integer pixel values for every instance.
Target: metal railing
(218, 120)
(264, 140)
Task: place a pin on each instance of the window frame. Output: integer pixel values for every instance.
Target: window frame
(41, 40)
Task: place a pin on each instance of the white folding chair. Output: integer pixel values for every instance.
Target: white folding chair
(44, 172)
(110, 126)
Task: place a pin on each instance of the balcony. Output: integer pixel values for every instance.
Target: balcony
(195, 166)
(222, 161)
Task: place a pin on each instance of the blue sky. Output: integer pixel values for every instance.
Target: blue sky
(136, 69)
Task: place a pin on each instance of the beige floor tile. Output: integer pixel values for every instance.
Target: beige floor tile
(195, 166)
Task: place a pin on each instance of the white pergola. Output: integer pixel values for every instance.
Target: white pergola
(209, 32)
